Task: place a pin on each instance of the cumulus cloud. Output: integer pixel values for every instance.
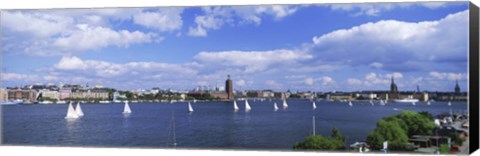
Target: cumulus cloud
(326, 80)
(447, 76)
(216, 17)
(376, 65)
(353, 81)
(251, 61)
(103, 69)
(165, 19)
(18, 77)
(309, 81)
(372, 9)
(46, 33)
(240, 83)
(397, 45)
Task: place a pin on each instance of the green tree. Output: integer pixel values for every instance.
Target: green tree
(456, 138)
(396, 129)
(319, 142)
(444, 149)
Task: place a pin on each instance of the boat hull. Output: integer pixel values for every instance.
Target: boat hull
(405, 100)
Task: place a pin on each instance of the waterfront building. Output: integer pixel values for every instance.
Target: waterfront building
(19, 94)
(51, 94)
(229, 88)
(393, 94)
(366, 95)
(340, 96)
(221, 95)
(64, 93)
(3, 95)
(279, 95)
(90, 94)
(457, 88)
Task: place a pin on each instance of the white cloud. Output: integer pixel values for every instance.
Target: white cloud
(50, 78)
(326, 80)
(18, 77)
(372, 9)
(353, 81)
(36, 24)
(375, 79)
(104, 69)
(93, 38)
(397, 45)
(395, 75)
(309, 81)
(273, 84)
(46, 33)
(216, 17)
(71, 63)
(376, 65)
(448, 76)
(251, 61)
(165, 19)
(240, 83)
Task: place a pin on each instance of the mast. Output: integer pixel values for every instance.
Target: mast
(313, 122)
(173, 125)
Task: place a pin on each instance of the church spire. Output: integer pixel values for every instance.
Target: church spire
(457, 87)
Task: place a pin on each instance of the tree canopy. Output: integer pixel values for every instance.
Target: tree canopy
(319, 142)
(396, 129)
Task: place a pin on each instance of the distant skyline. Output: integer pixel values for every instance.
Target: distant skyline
(342, 47)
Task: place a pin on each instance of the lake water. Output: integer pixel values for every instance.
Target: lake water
(213, 125)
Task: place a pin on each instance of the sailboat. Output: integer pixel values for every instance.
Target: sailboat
(190, 109)
(428, 103)
(78, 110)
(235, 106)
(350, 103)
(285, 105)
(413, 103)
(71, 114)
(194, 100)
(371, 102)
(449, 103)
(126, 109)
(247, 106)
(382, 103)
(314, 105)
(275, 107)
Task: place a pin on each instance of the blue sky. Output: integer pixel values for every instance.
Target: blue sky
(342, 47)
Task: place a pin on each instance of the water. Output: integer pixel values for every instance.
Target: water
(213, 125)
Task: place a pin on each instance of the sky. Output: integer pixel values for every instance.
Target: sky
(321, 47)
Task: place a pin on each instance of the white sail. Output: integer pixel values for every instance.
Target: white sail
(449, 103)
(71, 114)
(314, 105)
(275, 107)
(194, 100)
(382, 103)
(285, 105)
(247, 106)
(371, 102)
(190, 109)
(350, 103)
(235, 106)
(126, 109)
(428, 103)
(78, 110)
(413, 103)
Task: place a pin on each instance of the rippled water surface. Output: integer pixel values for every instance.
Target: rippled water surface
(212, 124)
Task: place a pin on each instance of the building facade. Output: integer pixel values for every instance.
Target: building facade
(90, 94)
(25, 95)
(3, 95)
